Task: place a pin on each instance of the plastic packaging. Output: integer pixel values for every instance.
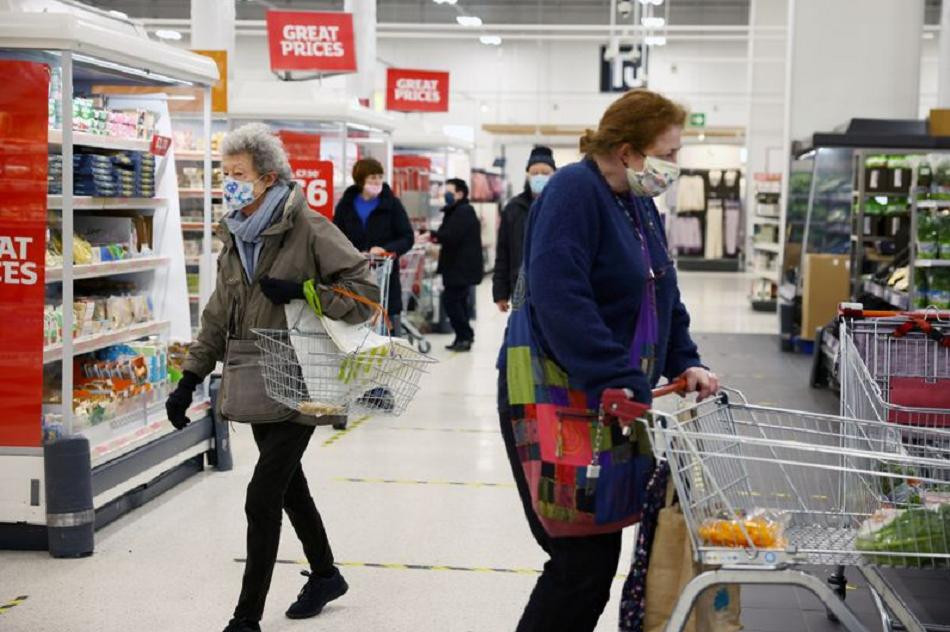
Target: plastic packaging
(765, 531)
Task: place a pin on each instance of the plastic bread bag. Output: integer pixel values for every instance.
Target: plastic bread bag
(765, 529)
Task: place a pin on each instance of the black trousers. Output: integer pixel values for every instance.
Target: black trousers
(278, 485)
(574, 586)
(455, 299)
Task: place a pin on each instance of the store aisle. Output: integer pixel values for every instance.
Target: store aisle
(421, 511)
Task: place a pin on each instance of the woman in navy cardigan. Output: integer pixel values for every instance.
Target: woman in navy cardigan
(600, 305)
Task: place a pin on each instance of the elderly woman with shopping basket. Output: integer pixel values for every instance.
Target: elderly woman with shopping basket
(273, 245)
(597, 307)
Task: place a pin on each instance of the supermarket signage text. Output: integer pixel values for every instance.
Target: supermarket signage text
(17, 267)
(315, 178)
(417, 90)
(311, 40)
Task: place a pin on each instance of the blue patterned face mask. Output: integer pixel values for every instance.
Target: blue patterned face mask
(238, 193)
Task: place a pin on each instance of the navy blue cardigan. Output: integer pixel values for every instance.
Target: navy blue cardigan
(584, 268)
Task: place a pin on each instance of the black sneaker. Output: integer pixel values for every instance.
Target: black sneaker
(317, 593)
(465, 345)
(452, 346)
(243, 625)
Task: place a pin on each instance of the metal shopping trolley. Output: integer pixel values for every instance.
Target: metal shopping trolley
(765, 490)
(411, 274)
(382, 266)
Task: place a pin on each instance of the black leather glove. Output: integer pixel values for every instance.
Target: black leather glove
(180, 399)
(281, 292)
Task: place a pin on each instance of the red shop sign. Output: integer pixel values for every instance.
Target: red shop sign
(160, 145)
(300, 145)
(417, 90)
(23, 169)
(315, 178)
(311, 40)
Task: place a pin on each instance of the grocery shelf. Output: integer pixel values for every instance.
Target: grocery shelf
(766, 219)
(86, 203)
(193, 261)
(767, 246)
(195, 155)
(194, 298)
(932, 263)
(85, 344)
(108, 268)
(100, 141)
(887, 294)
(762, 273)
(197, 193)
(193, 226)
(933, 204)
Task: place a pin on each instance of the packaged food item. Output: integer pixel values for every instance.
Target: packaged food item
(927, 243)
(764, 531)
(943, 235)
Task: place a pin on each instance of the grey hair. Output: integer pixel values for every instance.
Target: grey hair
(265, 148)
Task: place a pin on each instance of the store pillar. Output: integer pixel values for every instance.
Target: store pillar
(212, 25)
(875, 73)
(943, 58)
(362, 84)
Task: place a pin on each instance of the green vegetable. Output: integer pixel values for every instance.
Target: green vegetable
(919, 530)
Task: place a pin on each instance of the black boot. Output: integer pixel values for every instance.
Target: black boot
(317, 593)
(465, 345)
(243, 625)
(452, 346)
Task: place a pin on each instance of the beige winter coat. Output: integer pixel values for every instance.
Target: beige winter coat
(301, 245)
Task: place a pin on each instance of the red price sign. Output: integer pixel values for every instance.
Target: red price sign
(311, 40)
(417, 90)
(315, 178)
(160, 145)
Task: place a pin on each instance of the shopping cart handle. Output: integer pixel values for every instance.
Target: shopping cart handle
(676, 386)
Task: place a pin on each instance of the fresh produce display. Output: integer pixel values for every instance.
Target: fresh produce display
(764, 532)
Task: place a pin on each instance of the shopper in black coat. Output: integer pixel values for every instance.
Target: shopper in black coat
(461, 262)
(510, 242)
(375, 221)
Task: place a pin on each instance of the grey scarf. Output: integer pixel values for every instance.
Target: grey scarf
(247, 230)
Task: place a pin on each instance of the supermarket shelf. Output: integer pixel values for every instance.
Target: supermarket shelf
(195, 155)
(106, 446)
(932, 263)
(762, 305)
(933, 204)
(193, 261)
(762, 273)
(86, 203)
(85, 344)
(194, 298)
(196, 226)
(101, 142)
(197, 193)
(889, 295)
(766, 219)
(767, 247)
(108, 268)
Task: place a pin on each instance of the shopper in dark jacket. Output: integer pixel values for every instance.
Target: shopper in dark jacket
(375, 221)
(510, 242)
(461, 262)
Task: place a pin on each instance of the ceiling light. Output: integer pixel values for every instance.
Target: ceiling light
(469, 20)
(655, 40)
(452, 2)
(928, 35)
(167, 34)
(653, 22)
(119, 14)
(653, 2)
(490, 40)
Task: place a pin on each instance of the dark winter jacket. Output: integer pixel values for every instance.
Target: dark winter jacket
(509, 245)
(387, 227)
(460, 235)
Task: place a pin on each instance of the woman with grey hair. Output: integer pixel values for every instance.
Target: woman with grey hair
(273, 245)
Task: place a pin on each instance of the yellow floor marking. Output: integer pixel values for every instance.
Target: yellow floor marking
(350, 426)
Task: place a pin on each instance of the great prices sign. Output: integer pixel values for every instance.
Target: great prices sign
(23, 169)
(311, 40)
(315, 178)
(300, 145)
(417, 90)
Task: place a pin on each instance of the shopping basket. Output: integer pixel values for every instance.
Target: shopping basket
(304, 369)
(764, 490)
(895, 366)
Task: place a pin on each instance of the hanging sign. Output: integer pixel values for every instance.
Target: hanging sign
(624, 70)
(23, 172)
(300, 145)
(311, 40)
(315, 178)
(417, 90)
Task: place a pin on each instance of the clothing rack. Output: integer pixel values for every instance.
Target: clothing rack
(706, 226)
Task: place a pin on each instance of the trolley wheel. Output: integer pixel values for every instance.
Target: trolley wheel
(425, 346)
(839, 584)
(340, 425)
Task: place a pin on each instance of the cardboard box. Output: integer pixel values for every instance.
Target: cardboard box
(939, 122)
(827, 283)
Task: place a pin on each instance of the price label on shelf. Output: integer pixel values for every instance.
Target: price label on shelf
(315, 178)
(160, 145)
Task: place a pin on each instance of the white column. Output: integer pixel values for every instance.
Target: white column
(212, 26)
(854, 60)
(943, 59)
(362, 84)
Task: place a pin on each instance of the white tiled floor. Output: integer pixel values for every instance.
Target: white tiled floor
(170, 565)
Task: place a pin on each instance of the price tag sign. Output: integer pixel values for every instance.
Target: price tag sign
(160, 145)
(315, 178)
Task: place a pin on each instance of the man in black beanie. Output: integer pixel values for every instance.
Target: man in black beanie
(510, 243)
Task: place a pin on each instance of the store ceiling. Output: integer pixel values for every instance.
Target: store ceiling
(707, 12)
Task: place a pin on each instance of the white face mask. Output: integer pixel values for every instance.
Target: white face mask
(657, 176)
(372, 190)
